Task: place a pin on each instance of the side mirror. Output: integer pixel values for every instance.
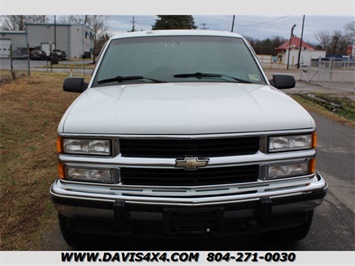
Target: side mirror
(74, 84)
(283, 81)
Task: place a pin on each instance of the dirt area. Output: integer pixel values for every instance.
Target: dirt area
(30, 109)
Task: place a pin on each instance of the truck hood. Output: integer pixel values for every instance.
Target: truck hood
(183, 108)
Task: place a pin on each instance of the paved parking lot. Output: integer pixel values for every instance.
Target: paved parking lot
(341, 89)
(41, 65)
(21, 64)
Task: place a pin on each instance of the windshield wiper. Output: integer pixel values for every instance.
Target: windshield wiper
(120, 79)
(200, 75)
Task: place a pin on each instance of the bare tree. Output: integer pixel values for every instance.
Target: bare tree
(349, 31)
(100, 26)
(37, 19)
(350, 27)
(75, 19)
(14, 23)
(18, 22)
(97, 23)
(336, 43)
(323, 39)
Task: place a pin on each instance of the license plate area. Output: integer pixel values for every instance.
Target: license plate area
(193, 221)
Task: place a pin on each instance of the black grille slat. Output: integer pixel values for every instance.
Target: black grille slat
(173, 148)
(181, 177)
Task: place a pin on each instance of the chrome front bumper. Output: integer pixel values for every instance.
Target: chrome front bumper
(78, 200)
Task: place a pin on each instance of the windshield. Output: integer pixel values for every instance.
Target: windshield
(178, 59)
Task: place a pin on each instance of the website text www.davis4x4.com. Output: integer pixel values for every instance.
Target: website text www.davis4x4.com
(167, 257)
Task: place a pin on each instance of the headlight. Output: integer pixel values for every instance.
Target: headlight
(291, 170)
(84, 146)
(289, 143)
(89, 175)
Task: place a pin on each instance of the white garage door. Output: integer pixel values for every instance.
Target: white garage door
(5, 48)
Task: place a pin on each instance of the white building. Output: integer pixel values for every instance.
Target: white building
(307, 53)
(15, 38)
(74, 39)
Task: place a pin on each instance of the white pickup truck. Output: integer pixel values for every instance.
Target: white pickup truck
(180, 133)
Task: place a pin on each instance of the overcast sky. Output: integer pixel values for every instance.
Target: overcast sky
(258, 27)
(258, 19)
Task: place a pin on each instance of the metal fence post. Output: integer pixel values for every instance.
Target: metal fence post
(50, 57)
(331, 72)
(28, 60)
(319, 64)
(11, 64)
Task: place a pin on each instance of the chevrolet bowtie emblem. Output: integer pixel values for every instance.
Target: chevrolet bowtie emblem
(191, 163)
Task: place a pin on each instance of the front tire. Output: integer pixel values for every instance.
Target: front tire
(72, 238)
(300, 232)
(293, 234)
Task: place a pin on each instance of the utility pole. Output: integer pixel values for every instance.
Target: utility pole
(133, 24)
(55, 32)
(82, 37)
(233, 23)
(289, 46)
(204, 26)
(300, 48)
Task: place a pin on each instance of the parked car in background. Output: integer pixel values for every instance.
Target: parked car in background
(38, 55)
(53, 58)
(61, 54)
(19, 55)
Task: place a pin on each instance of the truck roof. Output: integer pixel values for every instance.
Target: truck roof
(175, 33)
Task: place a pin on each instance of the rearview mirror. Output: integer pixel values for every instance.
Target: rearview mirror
(283, 81)
(74, 84)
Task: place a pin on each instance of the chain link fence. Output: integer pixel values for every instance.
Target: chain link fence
(332, 74)
(15, 65)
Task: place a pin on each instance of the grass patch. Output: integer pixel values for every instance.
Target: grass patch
(69, 66)
(340, 109)
(72, 63)
(6, 76)
(30, 110)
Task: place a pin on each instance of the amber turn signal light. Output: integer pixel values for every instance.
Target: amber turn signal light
(59, 144)
(314, 140)
(61, 171)
(312, 166)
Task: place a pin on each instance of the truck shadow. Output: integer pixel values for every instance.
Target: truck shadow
(239, 243)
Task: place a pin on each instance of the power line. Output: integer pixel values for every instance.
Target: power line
(265, 22)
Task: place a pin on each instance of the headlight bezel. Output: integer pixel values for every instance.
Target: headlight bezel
(66, 174)
(291, 142)
(85, 146)
(290, 169)
(71, 171)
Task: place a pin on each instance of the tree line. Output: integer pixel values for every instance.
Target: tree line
(266, 46)
(334, 43)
